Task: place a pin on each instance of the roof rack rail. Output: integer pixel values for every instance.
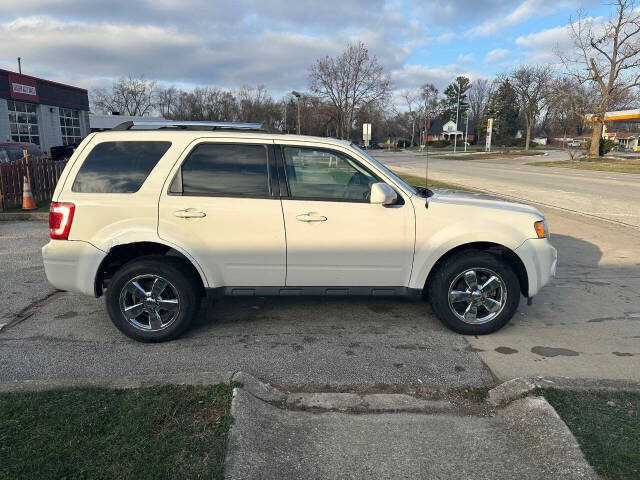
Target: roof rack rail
(186, 125)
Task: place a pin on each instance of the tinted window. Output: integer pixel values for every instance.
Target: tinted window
(225, 170)
(118, 167)
(324, 174)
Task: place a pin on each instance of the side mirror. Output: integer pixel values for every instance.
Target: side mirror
(383, 194)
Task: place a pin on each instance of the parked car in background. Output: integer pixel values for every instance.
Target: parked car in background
(158, 219)
(574, 144)
(63, 152)
(12, 151)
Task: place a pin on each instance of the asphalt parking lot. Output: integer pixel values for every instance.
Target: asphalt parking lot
(325, 343)
(585, 324)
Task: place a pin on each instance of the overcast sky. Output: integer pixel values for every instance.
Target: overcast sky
(89, 43)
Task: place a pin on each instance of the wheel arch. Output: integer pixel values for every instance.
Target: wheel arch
(503, 252)
(121, 254)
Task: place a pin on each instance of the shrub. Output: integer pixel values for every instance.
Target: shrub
(439, 143)
(606, 145)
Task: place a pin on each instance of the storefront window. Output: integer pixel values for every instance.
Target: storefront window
(70, 126)
(23, 122)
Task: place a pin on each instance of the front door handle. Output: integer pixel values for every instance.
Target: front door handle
(189, 213)
(311, 217)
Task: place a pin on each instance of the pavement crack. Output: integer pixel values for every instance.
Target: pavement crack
(32, 309)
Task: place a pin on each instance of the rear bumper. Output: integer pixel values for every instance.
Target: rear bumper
(540, 259)
(72, 265)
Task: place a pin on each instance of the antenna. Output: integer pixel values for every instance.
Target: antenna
(426, 167)
(19, 65)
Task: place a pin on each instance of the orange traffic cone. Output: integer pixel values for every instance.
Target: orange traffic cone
(28, 203)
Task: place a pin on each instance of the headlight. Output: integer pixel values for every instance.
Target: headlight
(542, 229)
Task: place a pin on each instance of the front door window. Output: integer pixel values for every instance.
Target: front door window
(326, 175)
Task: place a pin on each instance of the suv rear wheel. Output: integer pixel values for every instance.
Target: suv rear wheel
(474, 293)
(153, 299)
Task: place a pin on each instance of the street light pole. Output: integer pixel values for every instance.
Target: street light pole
(297, 95)
(466, 132)
(455, 137)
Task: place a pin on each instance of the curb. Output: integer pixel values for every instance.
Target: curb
(340, 402)
(12, 217)
(520, 387)
(141, 381)
(548, 434)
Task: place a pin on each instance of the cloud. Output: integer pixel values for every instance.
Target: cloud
(523, 11)
(542, 46)
(250, 42)
(413, 76)
(221, 55)
(496, 54)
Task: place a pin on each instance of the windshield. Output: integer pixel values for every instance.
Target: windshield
(388, 172)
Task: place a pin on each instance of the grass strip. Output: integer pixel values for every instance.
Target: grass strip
(488, 156)
(161, 432)
(419, 181)
(601, 164)
(607, 427)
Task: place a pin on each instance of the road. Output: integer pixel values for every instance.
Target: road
(612, 196)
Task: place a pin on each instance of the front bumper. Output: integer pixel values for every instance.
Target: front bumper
(540, 259)
(72, 265)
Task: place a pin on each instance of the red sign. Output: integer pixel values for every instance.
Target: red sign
(23, 88)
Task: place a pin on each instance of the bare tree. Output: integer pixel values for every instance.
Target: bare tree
(411, 98)
(349, 82)
(532, 85)
(608, 55)
(479, 95)
(128, 96)
(167, 100)
(430, 107)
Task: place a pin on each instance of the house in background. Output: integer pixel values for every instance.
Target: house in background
(441, 130)
(539, 137)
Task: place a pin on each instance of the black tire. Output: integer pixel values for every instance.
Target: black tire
(446, 273)
(182, 282)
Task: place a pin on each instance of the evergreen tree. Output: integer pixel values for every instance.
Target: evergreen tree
(503, 108)
(462, 85)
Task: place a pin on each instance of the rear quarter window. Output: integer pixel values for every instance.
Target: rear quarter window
(118, 167)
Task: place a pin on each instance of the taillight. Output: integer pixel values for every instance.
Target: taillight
(60, 218)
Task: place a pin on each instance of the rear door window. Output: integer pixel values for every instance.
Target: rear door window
(224, 170)
(118, 167)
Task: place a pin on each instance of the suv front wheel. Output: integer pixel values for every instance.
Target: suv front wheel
(153, 299)
(474, 293)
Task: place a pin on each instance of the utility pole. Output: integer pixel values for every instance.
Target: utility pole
(466, 132)
(455, 137)
(286, 127)
(19, 66)
(297, 95)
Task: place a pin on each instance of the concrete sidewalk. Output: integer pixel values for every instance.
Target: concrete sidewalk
(524, 440)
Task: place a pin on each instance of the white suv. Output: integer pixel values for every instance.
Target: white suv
(159, 215)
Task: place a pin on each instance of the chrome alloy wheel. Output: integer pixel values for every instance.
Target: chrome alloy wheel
(477, 295)
(149, 302)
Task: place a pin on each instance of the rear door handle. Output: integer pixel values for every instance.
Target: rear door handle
(189, 213)
(311, 217)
